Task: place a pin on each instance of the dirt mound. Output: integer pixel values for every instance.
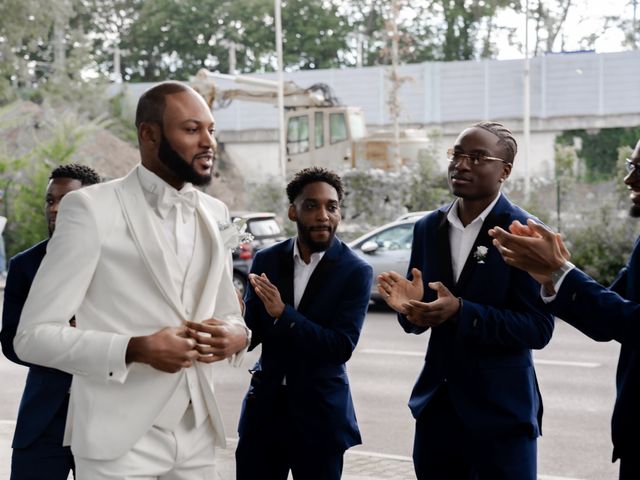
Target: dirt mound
(26, 125)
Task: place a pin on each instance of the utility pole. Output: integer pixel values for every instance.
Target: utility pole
(634, 25)
(117, 69)
(395, 83)
(526, 120)
(233, 48)
(281, 125)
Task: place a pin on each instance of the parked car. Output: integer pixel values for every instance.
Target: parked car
(388, 247)
(266, 231)
(418, 214)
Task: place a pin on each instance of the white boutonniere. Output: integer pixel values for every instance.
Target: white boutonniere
(234, 234)
(480, 254)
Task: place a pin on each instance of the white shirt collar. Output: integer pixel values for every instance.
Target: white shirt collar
(297, 258)
(152, 183)
(454, 219)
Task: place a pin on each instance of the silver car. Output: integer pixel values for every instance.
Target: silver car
(388, 247)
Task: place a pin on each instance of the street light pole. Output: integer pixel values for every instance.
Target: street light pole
(526, 126)
(281, 126)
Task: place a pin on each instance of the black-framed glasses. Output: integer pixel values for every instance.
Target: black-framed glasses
(631, 165)
(474, 159)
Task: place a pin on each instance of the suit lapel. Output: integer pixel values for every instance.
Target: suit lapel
(320, 276)
(286, 274)
(217, 258)
(136, 213)
(497, 216)
(444, 251)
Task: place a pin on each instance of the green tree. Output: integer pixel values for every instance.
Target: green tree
(171, 39)
(598, 150)
(603, 245)
(23, 177)
(467, 27)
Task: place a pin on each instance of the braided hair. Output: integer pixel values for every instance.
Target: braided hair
(505, 138)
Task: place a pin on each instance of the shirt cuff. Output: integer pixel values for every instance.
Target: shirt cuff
(557, 284)
(117, 368)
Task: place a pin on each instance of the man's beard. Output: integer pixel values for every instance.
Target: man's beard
(179, 166)
(634, 211)
(304, 234)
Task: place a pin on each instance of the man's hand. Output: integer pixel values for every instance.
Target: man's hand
(217, 339)
(168, 350)
(433, 313)
(397, 291)
(532, 248)
(268, 293)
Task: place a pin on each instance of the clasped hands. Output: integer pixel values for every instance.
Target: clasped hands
(405, 297)
(174, 348)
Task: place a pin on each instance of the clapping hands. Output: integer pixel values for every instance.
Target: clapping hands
(405, 297)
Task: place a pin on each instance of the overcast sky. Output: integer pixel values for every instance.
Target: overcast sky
(584, 18)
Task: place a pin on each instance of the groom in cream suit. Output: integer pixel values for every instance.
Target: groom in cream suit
(141, 263)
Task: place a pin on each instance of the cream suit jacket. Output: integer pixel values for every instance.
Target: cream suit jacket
(105, 265)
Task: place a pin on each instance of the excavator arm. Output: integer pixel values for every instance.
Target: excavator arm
(260, 90)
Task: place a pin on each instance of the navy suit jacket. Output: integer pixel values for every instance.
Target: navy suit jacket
(46, 389)
(309, 346)
(483, 354)
(611, 314)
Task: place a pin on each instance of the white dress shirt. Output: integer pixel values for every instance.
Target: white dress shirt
(461, 238)
(302, 272)
(178, 226)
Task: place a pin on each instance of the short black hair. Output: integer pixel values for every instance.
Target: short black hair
(152, 102)
(86, 175)
(505, 137)
(311, 175)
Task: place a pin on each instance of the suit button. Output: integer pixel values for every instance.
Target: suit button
(111, 374)
(573, 297)
(292, 324)
(475, 322)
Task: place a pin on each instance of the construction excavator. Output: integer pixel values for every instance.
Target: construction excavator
(319, 130)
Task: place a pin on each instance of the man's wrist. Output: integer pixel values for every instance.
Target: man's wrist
(559, 273)
(136, 349)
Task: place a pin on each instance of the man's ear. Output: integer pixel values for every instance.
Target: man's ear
(506, 171)
(291, 213)
(148, 133)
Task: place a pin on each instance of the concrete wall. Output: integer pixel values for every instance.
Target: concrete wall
(568, 91)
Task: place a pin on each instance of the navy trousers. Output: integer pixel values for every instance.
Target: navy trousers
(444, 450)
(45, 458)
(629, 468)
(269, 453)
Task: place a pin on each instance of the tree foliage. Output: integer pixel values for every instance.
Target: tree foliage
(602, 246)
(598, 149)
(24, 175)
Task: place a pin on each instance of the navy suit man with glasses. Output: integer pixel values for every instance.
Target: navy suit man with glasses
(477, 405)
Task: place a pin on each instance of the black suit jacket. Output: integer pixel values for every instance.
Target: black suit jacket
(309, 346)
(46, 389)
(611, 314)
(484, 354)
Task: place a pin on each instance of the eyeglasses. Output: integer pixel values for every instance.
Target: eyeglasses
(631, 165)
(475, 159)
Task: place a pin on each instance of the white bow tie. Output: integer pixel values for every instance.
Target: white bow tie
(186, 200)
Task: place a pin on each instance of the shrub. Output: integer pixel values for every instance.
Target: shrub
(602, 247)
